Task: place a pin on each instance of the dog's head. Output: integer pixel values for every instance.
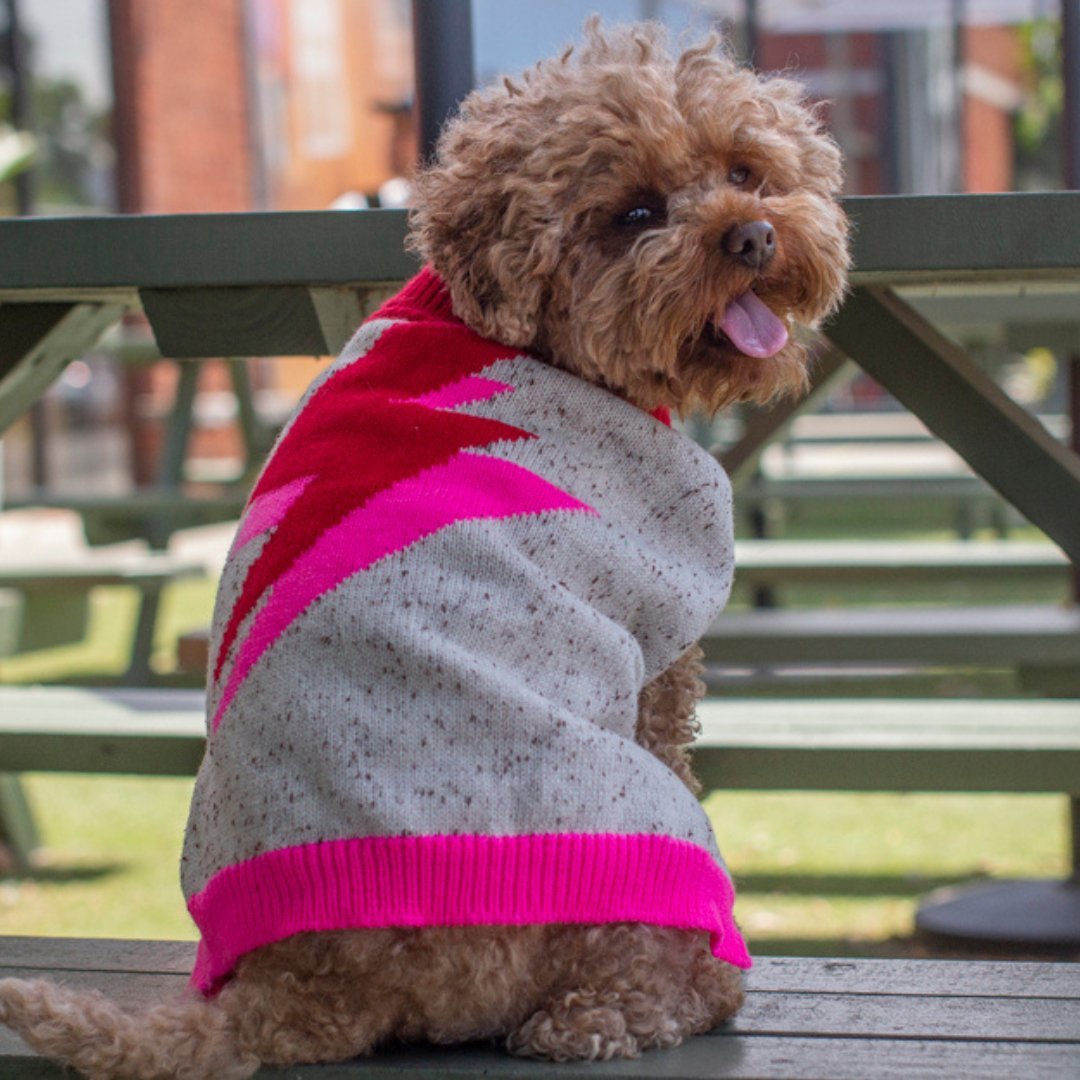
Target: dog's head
(654, 224)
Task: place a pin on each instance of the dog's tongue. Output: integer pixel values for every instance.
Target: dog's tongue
(753, 328)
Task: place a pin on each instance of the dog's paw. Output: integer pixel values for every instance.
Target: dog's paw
(574, 1034)
(584, 1026)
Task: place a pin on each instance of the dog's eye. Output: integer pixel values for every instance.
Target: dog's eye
(739, 176)
(639, 216)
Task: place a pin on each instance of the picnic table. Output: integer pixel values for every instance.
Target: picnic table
(298, 283)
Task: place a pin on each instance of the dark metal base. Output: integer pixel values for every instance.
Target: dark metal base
(1038, 913)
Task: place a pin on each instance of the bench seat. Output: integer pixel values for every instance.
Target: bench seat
(50, 604)
(848, 745)
(151, 513)
(1014, 636)
(890, 745)
(812, 1017)
(800, 562)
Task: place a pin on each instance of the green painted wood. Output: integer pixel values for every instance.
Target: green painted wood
(766, 424)
(807, 1017)
(932, 978)
(733, 1058)
(51, 618)
(18, 830)
(38, 342)
(152, 514)
(809, 975)
(898, 238)
(981, 1017)
(822, 1014)
(882, 428)
(883, 745)
(95, 569)
(147, 732)
(243, 321)
(960, 403)
(100, 255)
(848, 745)
(839, 488)
(258, 320)
(982, 637)
(798, 561)
(60, 954)
(24, 326)
(11, 612)
(56, 595)
(715, 1058)
(936, 238)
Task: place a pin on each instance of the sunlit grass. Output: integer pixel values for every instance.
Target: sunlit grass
(847, 871)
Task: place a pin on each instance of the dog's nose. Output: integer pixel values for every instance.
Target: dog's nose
(751, 242)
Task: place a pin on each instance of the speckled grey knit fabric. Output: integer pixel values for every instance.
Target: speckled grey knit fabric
(483, 679)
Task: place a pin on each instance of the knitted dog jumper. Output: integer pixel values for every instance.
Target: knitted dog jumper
(454, 576)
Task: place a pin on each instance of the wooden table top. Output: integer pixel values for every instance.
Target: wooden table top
(803, 1017)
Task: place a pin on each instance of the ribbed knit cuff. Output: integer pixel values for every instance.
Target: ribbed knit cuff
(461, 881)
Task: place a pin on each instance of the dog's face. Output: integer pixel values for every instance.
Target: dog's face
(655, 225)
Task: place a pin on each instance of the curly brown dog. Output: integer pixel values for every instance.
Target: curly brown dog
(447, 793)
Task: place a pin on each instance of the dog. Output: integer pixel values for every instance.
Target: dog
(448, 792)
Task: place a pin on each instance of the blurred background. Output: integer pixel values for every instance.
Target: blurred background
(133, 106)
(155, 107)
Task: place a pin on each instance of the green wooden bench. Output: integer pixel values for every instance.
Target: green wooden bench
(44, 603)
(874, 429)
(769, 499)
(848, 745)
(152, 514)
(1042, 642)
(776, 563)
(50, 599)
(803, 1017)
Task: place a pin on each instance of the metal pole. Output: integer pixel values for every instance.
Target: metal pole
(17, 61)
(1070, 59)
(443, 51)
(1070, 64)
(959, 36)
(751, 33)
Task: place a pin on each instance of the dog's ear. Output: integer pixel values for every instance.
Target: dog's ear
(484, 223)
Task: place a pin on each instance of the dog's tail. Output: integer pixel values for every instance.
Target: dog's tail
(189, 1038)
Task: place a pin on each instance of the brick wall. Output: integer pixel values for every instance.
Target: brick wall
(992, 82)
(183, 145)
(181, 105)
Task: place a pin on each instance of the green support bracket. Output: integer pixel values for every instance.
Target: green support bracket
(37, 341)
(266, 320)
(959, 403)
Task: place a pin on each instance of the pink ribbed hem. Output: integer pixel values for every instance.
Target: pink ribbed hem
(461, 881)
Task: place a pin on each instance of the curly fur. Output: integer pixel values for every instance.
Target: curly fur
(520, 214)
